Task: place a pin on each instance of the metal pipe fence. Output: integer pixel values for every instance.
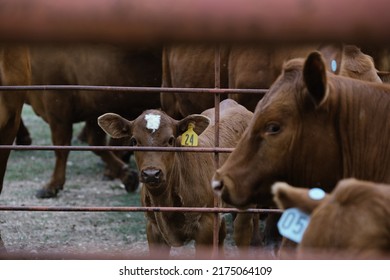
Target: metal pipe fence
(217, 91)
(161, 21)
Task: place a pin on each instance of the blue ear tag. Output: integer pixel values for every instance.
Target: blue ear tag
(316, 194)
(293, 224)
(333, 65)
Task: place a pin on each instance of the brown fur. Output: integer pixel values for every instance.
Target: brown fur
(258, 66)
(90, 65)
(353, 218)
(15, 69)
(184, 178)
(320, 140)
(190, 66)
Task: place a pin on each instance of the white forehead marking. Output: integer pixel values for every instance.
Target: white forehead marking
(152, 121)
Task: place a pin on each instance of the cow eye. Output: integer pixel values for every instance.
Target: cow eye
(272, 128)
(133, 141)
(171, 141)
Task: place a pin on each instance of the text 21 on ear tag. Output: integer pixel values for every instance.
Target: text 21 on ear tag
(293, 224)
(189, 138)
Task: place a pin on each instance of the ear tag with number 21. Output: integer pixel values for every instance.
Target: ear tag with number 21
(190, 138)
(293, 224)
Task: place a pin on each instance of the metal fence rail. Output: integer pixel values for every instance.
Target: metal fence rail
(218, 20)
(260, 92)
(132, 209)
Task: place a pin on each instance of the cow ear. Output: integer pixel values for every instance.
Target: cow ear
(333, 56)
(286, 196)
(314, 75)
(201, 123)
(115, 125)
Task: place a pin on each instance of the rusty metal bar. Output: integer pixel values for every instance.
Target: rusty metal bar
(217, 99)
(115, 148)
(218, 20)
(133, 89)
(132, 209)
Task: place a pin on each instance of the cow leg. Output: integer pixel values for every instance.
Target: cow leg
(272, 238)
(243, 230)
(204, 236)
(23, 136)
(158, 247)
(287, 249)
(61, 134)
(117, 168)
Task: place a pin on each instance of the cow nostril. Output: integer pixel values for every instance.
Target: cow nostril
(157, 174)
(149, 175)
(217, 185)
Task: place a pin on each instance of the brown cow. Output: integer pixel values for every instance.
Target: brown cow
(257, 66)
(311, 129)
(91, 65)
(353, 219)
(15, 69)
(190, 66)
(243, 66)
(181, 178)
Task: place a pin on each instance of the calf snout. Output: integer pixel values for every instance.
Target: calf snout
(217, 186)
(151, 176)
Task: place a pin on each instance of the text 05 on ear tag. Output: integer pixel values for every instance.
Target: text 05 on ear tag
(189, 138)
(293, 224)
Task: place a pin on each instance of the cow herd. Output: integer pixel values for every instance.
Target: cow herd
(323, 120)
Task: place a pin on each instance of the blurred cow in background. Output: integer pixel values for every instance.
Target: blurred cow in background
(190, 66)
(91, 65)
(15, 69)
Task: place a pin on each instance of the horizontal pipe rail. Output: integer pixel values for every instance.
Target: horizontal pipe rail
(115, 148)
(151, 21)
(134, 89)
(133, 209)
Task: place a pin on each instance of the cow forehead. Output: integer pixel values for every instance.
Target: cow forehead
(151, 126)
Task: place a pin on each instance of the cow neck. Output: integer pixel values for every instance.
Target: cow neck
(364, 131)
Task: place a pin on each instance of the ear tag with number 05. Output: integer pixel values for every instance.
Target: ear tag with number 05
(293, 224)
(189, 138)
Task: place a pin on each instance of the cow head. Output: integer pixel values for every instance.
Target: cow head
(291, 138)
(153, 128)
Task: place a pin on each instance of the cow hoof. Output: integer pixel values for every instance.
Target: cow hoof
(45, 193)
(131, 181)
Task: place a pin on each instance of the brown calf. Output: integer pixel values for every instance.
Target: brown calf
(179, 178)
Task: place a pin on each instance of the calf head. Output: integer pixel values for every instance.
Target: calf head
(153, 128)
(291, 138)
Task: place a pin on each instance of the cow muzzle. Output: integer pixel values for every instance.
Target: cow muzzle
(225, 188)
(151, 176)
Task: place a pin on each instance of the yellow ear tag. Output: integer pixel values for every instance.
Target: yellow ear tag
(189, 138)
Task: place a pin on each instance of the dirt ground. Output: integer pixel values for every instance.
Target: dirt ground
(71, 232)
(79, 234)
